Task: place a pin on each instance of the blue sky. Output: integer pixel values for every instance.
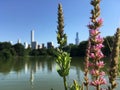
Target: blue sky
(19, 17)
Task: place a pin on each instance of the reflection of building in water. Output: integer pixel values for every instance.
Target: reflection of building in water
(33, 66)
(32, 71)
(31, 77)
(26, 68)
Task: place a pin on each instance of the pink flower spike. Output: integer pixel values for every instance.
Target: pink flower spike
(100, 64)
(94, 32)
(92, 55)
(90, 64)
(100, 45)
(95, 72)
(95, 83)
(102, 80)
(99, 39)
(99, 54)
(100, 21)
(102, 73)
(99, 81)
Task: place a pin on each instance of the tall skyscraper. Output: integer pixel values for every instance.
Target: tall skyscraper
(77, 39)
(34, 44)
(32, 36)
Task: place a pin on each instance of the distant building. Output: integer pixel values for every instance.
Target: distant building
(32, 36)
(77, 39)
(43, 45)
(29, 46)
(50, 45)
(34, 45)
(26, 45)
(39, 46)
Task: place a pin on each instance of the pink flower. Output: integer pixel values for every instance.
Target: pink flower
(102, 73)
(95, 72)
(95, 83)
(100, 21)
(94, 32)
(100, 64)
(99, 55)
(100, 45)
(99, 81)
(102, 80)
(90, 64)
(98, 39)
(96, 47)
(92, 55)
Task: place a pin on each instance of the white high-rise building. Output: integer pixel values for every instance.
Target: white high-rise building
(25, 45)
(77, 39)
(34, 44)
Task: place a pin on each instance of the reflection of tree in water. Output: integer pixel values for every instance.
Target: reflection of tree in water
(18, 64)
(5, 66)
(49, 65)
(14, 64)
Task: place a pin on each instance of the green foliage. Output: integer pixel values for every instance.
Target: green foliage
(108, 43)
(5, 50)
(63, 60)
(119, 67)
(5, 54)
(51, 51)
(76, 86)
(80, 50)
(5, 45)
(19, 49)
(61, 37)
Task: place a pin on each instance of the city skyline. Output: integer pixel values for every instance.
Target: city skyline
(18, 18)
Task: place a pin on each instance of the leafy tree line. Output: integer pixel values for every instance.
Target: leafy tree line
(80, 50)
(7, 50)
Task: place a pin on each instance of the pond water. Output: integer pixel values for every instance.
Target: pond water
(38, 74)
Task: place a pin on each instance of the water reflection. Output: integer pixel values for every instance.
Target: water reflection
(37, 73)
(19, 64)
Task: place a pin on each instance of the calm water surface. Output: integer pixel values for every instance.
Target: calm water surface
(38, 74)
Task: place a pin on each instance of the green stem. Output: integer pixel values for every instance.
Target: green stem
(65, 83)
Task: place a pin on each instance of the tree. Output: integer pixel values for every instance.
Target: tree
(5, 45)
(19, 48)
(108, 43)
